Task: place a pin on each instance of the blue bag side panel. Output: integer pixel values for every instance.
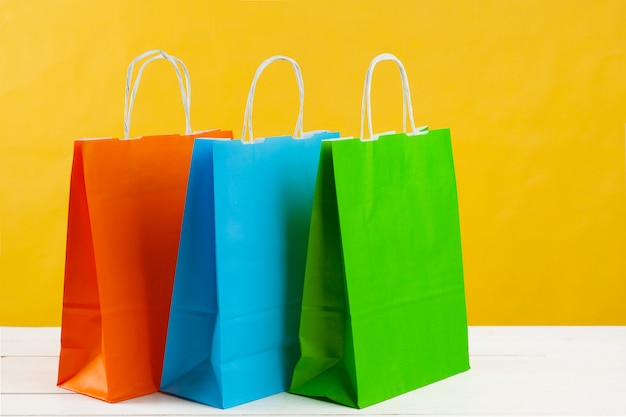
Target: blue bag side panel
(187, 369)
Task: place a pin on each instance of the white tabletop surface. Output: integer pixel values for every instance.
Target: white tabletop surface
(515, 371)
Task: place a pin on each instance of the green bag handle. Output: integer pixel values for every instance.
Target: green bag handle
(407, 106)
(247, 118)
(131, 92)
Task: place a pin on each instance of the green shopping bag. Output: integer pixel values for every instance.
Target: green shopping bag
(383, 308)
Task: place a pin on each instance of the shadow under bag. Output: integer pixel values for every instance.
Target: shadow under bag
(383, 309)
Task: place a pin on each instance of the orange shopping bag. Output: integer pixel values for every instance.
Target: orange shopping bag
(125, 214)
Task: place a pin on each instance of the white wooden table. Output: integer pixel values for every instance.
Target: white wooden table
(515, 371)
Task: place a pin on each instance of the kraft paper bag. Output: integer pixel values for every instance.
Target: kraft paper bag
(125, 212)
(233, 330)
(383, 309)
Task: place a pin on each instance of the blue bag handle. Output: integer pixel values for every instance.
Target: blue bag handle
(247, 118)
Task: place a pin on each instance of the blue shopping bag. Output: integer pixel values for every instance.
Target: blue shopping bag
(233, 329)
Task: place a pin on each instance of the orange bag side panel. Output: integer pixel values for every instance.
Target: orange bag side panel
(81, 335)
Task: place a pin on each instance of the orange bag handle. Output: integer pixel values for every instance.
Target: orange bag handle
(131, 92)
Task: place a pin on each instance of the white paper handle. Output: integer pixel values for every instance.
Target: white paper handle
(132, 86)
(366, 103)
(247, 118)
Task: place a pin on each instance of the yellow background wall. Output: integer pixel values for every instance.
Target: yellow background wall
(533, 90)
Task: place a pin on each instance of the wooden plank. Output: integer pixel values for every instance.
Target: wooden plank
(484, 340)
(30, 341)
(31, 375)
(547, 340)
(159, 405)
